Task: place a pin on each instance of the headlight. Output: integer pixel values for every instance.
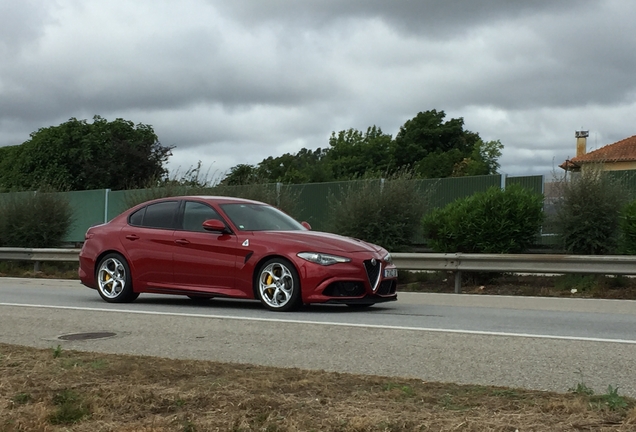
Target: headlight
(388, 259)
(323, 259)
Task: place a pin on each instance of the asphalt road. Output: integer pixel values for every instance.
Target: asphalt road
(537, 343)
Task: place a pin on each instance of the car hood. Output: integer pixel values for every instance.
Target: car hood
(316, 241)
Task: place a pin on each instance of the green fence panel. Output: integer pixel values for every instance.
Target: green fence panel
(627, 181)
(309, 202)
(315, 200)
(441, 192)
(88, 209)
(121, 200)
(534, 183)
(4, 197)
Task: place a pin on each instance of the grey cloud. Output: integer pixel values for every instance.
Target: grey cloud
(236, 81)
(21, 23)
(441, 18)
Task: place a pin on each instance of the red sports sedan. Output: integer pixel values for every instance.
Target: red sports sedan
(206, 247)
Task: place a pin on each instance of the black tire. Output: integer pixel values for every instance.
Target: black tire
(114, 282)
(278, 285)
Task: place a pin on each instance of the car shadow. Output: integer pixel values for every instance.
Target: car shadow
(242, 304)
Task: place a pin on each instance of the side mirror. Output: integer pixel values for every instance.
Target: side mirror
(215, 225)
(306, 225)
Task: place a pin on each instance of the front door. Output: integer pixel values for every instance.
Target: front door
(204, 261)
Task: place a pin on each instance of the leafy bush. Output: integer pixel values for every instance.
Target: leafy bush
(36, 220)
(495, 221)
(588, 213)
(385, 215)
(628, 229)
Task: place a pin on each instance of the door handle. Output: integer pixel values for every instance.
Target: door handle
(182, 242)
(132, 237)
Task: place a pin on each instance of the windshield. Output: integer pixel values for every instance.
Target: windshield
(258, 217)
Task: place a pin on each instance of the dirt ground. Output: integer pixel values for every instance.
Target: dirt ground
(574, 286)
(56, 390)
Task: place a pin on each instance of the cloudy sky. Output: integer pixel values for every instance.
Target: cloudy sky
(230, 82)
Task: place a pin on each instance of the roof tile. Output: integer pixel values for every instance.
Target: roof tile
(621, 151)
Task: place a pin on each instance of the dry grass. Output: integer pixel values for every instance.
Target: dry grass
(572, 286)
(55, 390)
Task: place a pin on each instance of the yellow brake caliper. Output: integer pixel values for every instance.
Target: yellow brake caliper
(268, 281)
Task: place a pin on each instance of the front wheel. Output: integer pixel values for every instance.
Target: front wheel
(279, 285)
(113, 279)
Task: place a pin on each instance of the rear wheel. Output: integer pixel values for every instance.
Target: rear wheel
(114, 283)
(278, 285)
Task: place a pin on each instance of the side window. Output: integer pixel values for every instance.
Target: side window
(195, 214)
(160, 215)
(137, 217)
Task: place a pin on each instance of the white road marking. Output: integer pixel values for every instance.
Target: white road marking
(327, 323)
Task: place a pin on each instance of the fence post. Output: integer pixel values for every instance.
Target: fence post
(458, 282)
(106, 193)
(278, 186)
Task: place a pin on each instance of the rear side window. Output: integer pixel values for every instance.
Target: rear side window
(137, 217)
(159, 215)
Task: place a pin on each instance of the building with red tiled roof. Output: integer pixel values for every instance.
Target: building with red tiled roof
(618, 156)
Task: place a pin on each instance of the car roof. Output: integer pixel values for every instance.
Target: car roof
(210, 198)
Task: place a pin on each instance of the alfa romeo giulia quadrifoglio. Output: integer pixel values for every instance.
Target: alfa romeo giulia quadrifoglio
(206, 247)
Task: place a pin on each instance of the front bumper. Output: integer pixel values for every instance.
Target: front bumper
(361, 281)
(366, 300)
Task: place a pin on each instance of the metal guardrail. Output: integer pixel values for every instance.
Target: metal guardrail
(516, 263)
(454, 262)
(39, 255)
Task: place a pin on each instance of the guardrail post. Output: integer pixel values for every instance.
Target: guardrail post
(36, 266)
(458, 282)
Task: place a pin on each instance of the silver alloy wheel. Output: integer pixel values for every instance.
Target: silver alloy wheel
(111, 278)
(276, 285)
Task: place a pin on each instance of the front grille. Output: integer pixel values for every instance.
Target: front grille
(344, 289)
(373, 272)
(387, 287)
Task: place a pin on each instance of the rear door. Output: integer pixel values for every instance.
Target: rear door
(204, 261)
(149, 244)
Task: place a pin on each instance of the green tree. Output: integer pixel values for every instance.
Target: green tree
(78, 155)
(428, 135)
(426, 145)
(240, 174)
(588, 212)
(482, 161)
(306, 166)
(353, 154)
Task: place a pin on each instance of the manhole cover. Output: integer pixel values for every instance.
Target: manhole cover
(86, 336)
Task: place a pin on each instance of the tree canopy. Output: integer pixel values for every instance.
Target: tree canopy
(426, 145)
(78, 155)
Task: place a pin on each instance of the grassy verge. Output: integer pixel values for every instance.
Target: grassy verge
(569, 285)
(58, 390)
(53, 270)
